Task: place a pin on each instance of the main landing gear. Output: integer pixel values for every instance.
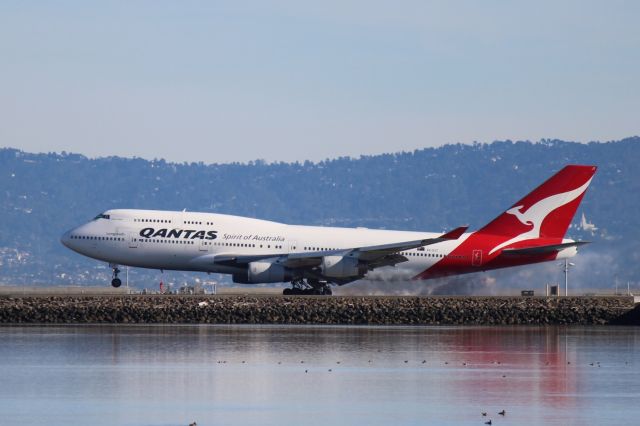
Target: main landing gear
(116, 282)
(308, 287)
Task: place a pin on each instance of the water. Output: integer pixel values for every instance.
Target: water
(279, 375)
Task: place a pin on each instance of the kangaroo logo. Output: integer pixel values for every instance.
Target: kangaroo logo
(535, 215)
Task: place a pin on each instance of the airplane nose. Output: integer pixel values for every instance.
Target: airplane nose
(66, 238)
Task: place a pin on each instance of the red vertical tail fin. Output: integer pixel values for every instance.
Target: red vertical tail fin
(530, 231)
(547, 211)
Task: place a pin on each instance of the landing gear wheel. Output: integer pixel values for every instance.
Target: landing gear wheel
(322, 288)
(308, 287)
(116, 282)
(322, 291)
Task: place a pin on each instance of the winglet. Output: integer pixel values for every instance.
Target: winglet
(455, 234)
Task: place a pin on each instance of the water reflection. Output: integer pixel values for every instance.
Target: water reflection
(166, 375)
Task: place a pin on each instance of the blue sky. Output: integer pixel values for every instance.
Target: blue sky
(283, 81)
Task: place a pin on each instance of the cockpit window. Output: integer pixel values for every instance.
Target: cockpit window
(102, 216)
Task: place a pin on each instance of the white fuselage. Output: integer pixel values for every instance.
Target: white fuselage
(189, 241)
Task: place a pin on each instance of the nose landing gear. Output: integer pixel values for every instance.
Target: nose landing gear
(116, 282)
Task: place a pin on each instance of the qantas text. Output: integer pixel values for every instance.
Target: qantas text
(187, 234)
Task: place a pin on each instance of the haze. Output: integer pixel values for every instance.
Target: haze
(284, 81)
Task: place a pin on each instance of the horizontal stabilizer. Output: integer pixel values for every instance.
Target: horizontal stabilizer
(541, 249)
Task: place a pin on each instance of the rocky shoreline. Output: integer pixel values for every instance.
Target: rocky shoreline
(158, 309)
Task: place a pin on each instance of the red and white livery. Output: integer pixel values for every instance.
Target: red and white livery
(313, 257)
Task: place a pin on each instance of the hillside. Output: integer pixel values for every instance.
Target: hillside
(42, 195)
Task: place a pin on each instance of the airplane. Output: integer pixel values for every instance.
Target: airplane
(313, 258)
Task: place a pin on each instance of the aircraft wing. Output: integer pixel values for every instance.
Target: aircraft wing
(374, 256)
(372, 253)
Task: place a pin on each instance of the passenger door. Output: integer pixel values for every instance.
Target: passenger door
(133, 240)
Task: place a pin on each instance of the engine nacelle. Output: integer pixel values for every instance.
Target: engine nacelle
(339, 266)
(263, 272)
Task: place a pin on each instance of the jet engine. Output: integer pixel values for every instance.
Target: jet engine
(263, 272)
(339, 266)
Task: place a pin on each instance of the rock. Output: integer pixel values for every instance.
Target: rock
(329, 310)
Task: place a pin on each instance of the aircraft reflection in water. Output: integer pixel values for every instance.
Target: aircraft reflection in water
(540, 365)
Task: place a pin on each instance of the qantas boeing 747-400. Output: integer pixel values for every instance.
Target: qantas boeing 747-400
(312, 258)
